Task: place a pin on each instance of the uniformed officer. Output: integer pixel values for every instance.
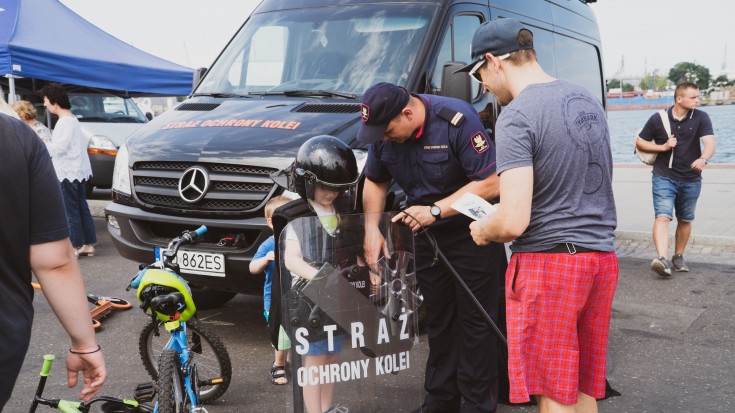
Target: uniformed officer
(436, 149)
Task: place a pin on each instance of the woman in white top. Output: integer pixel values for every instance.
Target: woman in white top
(27, 114)
(68, 151)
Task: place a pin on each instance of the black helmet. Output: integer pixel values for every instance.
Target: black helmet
(325, 162)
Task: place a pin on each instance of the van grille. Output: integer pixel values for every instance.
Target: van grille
(328, 108)
(233, 189)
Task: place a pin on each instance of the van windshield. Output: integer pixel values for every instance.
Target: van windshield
(338, 49)
(105, 109)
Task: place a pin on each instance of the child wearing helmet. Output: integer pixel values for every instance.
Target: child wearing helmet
(325, 176)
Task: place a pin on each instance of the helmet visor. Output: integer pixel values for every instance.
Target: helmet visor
(341, 197)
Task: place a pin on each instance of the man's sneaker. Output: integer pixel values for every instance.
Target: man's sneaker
(679, 264)
(662, 266)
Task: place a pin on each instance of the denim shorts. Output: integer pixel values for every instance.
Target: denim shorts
(322, 347)
(670, 194)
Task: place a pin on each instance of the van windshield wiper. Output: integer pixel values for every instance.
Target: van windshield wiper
(302, 93)
(222, 95)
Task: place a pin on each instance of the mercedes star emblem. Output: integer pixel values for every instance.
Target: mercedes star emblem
(193, 184)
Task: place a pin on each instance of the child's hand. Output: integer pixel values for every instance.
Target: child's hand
(270, 256)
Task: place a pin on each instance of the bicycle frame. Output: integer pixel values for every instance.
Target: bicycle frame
(178, 343)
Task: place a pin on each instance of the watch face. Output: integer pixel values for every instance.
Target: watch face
(435, 211)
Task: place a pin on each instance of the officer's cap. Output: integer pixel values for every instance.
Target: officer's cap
(380, 104)
(496, 37)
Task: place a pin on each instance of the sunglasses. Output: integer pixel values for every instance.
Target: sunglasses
(475, 75)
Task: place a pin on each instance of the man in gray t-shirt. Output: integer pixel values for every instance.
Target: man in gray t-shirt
(556, 204)
(560, 130)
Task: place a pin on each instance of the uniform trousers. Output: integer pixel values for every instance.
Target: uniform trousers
(462, 362)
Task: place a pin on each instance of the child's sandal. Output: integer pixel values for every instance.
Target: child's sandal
(276, 376)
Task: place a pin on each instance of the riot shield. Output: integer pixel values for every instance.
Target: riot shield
(353, 332)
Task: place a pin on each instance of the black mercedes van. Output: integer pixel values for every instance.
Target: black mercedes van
(294, 70)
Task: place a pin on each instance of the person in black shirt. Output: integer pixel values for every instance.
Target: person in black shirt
(677, 182)
(34, 236)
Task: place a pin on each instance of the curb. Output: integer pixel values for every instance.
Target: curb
(711, 240)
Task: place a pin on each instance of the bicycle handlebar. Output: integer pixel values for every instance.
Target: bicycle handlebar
(187, 237)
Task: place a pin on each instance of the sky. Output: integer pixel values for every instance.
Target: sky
(648, 34)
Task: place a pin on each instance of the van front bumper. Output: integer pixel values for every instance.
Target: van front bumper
(139, 232)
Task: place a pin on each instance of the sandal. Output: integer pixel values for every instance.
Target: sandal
(276, 376)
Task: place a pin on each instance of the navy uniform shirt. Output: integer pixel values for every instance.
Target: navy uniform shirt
(450, 150)
(688, 131)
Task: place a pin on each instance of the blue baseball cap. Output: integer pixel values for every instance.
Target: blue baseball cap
(380, 104)
(496, 37)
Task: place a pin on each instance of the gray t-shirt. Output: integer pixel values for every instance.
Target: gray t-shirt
(561, 130)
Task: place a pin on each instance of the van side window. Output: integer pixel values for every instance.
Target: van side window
(456, 46)
(543, 44)
(578, 62)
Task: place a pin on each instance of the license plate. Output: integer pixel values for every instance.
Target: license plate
(196, 262)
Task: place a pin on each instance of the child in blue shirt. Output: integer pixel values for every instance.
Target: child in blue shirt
(263, 261)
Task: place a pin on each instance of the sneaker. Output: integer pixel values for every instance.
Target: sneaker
(679, 264)
(662, 266)
(87, 250)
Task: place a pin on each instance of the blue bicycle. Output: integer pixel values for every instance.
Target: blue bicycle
(192, 366)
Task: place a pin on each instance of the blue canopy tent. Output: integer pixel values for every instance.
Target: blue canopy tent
(42, 40)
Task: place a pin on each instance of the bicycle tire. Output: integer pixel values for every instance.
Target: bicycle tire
(212, 358)
(169, 389)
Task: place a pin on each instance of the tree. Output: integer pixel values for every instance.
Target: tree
(690, 72)
(721, 80)
(659, 82)
(615, 83)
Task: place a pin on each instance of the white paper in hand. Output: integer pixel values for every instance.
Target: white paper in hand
(473, 206)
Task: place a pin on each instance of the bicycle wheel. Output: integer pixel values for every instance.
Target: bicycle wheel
(169, 389)
(206, 350)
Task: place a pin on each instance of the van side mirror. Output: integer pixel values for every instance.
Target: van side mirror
(149, 115)
(198, 75)
(456, 85)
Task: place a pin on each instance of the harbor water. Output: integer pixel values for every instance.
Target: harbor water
(625, 123)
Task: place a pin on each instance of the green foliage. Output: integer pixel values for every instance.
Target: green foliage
(690, 72)
(721, 80)
(615, 83)
(659, 82)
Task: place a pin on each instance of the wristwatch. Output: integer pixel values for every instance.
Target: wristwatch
(706, 161)
(435, 211)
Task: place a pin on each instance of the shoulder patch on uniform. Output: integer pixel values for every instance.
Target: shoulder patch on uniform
(451, 116)
(479, 142)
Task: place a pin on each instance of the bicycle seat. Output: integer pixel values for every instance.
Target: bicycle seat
(169, 304)
(173, 292)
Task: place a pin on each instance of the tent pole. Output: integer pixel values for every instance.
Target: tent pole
(11, 93)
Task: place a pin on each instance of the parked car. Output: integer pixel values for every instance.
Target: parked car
(106, 121)
(294, 71)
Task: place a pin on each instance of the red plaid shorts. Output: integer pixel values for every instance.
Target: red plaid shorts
(558, 318)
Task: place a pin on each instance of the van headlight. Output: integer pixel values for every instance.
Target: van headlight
(101, 145)
(121, 173)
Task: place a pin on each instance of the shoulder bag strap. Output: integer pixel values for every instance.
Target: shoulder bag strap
(667, 125)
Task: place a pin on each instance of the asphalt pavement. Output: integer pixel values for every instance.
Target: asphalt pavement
(670, 339)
